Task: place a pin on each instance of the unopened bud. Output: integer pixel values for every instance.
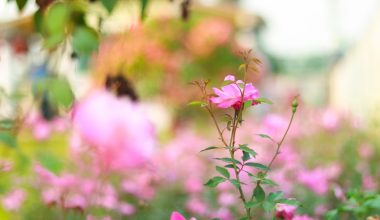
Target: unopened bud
(294, 105)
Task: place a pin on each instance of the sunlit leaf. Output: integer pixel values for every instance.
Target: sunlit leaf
(85, 40)
(209, 148)
(257, 165)
(244, 148)
(109, 4)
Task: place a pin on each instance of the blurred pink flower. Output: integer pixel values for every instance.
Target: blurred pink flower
(207, 35)
(5, 166)
(227, 199)
(197, 206)
(231, 95)
(118, 130)
(284, 211)
(302, 217)
(369, 183)
(126, 209)
(42, 129)
(319, 178)
(178, 216)
(13, 200)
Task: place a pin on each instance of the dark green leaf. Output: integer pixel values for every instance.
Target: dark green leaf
(223, 171)
(8, 139)
(213, 182)
(21, 4)
(257, 165)
(144, 6)
(245, 156)
(109, 4)
(259, 193)
(209, 148)
(268, 182)
(228, 160)
(244, 148)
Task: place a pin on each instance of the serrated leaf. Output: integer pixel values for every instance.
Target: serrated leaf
(213, 182)
(209, 148)
(264, 100)
(8, 139)
(228, 160)
(223, 171)
(273, 196)
(244, 148)
(109, 4)
(259, 193)
(235, 183)
(251, 204)
(257, 165)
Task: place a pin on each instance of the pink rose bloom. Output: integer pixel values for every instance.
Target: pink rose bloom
(13, 200)
(302, 217)
(117, 128)
(231, 95)
(284, 211)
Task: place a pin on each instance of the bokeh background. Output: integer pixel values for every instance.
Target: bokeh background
(326, 52)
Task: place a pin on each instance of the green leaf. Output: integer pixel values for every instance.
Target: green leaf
(243, 218)
(251, 204)
(85, 40)
(21, 4)
(268, 206)
(223, 171)
(209, 148)
(257, 165)
(266, 136)
(248, 104)
(228, 160)
(109, 4)
(259, 193)
(6, 124)
(60, 92)
(197, 103)
(268, 182)
(245, 156)
(229, 166)
(56, 18)
(274, 196)
(213, 182)
(292, 202)
(8, 139)
(235, 183)
(264, 100)
(244, 148)
(144, 6)
(332, 214)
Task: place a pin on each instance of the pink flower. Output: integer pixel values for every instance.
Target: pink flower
(231, 95)
(13, 200)
(284, 211)
(176, 216)
(116, 128)
(229, 78)
(302, 217)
